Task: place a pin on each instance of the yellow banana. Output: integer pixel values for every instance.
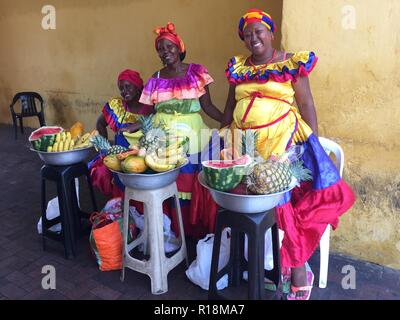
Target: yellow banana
(60, 146)
(68, 136)
(169, 152)
(71, 145)
(55, 147)
(58, 137)
(67, 143)
(156, 166)
(49, 149)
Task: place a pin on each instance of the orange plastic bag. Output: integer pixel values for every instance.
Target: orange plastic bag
(106, 241)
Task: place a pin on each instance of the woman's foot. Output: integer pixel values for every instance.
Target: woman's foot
(299, 280)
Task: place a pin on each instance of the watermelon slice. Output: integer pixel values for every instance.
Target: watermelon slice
(224, 175)
(44, 137)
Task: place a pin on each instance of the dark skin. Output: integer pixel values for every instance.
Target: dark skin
(130, 94)
(175, 68)
(258, 40)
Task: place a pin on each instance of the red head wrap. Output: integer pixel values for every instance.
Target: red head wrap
(170, 34)
(131, 76)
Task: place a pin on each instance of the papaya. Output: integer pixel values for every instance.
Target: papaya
(133, 164)
(76, 130)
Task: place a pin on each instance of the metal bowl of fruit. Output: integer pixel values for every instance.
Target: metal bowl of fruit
(242, 203)
(64, 158)
(149, 180)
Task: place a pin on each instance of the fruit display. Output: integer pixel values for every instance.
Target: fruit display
(224, 175)
(57, 139)
(156, 151)
(44, 137)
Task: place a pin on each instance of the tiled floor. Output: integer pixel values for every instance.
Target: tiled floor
(22, 257)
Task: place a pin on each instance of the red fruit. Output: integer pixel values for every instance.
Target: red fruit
(241, 188)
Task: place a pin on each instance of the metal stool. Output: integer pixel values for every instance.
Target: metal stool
(255, 226)
(158, 265)
(70, 213)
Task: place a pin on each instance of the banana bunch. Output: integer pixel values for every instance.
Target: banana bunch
(62, 142)
(65, 142)
(165, 159)
(84, 141)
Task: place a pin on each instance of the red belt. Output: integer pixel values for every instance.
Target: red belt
(255, 95)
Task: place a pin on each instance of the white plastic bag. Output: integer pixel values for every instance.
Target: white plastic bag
(199, 270)
(268, 253)
(171, 242)
(53, 211)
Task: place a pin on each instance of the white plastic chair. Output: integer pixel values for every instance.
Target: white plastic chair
(329, 147)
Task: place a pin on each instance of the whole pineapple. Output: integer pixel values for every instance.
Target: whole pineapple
(102, 144)
(274, 176)
(152, 134)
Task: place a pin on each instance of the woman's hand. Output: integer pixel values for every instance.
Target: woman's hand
(305, 102)
(209, 108)
(133, 127)
(101, 126)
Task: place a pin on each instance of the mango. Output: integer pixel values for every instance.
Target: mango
(112, 162)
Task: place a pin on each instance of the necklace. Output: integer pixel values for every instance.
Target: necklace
(264, 64)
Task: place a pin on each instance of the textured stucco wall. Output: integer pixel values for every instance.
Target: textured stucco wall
(356, 90)
(75, 66)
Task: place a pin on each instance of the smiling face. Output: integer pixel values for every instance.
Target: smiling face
(128, 90)
(258, 38)
(168, 52)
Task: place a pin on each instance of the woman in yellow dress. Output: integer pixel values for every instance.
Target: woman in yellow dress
(264, 88)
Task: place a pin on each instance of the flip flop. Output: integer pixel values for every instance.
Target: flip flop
(307, 289)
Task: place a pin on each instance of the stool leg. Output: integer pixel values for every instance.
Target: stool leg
(277, 278)
(181, 230)
(235, 274)
(253, 266)
(159, 283)
(65, 220)
(44, 218)
(125, 232)
(212, 286)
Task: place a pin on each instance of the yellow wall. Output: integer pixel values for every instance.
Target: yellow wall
(356, 90)
(75, 66)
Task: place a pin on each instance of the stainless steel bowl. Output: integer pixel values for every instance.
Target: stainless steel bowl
(245, 203)
(64, 158)
(149, 181)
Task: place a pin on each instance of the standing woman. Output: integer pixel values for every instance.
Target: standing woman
(263, 89)
(178, 92)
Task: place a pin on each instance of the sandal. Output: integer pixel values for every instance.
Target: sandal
(307, 289)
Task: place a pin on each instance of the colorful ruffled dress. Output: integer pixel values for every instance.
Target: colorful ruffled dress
(117, 116)
(176, 102)
(265, 103)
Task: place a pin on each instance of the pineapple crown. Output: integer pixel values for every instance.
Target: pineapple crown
(299, 171)
(100, 143)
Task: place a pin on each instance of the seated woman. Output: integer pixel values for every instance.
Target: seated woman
(263, 89)
(121, 115)
(178, 92)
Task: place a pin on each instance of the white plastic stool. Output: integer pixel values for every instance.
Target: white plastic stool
(158, 265)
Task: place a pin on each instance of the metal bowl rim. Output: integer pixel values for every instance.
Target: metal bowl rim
(61, 152)
(147, 174)
(251, 196)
